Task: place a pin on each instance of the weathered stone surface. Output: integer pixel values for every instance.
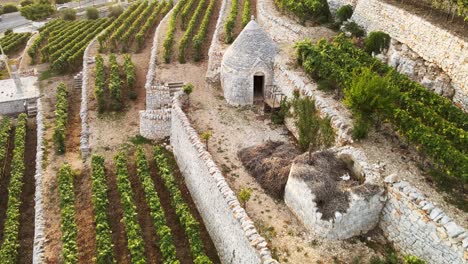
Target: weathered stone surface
(252, 54)
(433, 44)
(39, 214)
(215, 53)
(364, 209)
(427, 233)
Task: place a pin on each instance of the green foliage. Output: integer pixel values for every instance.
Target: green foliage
(187, 88)
(115, 11)
(61, 117)
(12, 42)
(431, 122)
(37, 11)
(132, 227)
(162, 9)
(166, 243)
(231, 22)
(115, 84)
(314, 132)
(68, 14)
(186, 11)
(9, 249)
(313, 10)
(376, 41)
(24, 3)
(344, 13)
(361, 127)
(5, 127)
(169, 39)
(244, 195)
(184, 41)
(200, 37)
(188, 222)
(325, 85)
(10, 8)
(246, 13)
(99, 83)
(100, 201)
(278, 117)
(353, 28)
(369, 94)
(67, 211)
(413, 260)
(92, 13)
(129, 71)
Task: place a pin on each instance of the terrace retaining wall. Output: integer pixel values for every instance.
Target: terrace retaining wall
(39, 214)
(230, 228)
(417, 227)
(432, 43)
(84, 140)
(216, 51)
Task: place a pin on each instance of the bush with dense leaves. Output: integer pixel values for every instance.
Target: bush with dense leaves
(353, 28)
(344, 13)
(376, 41)
(115, 11)
(24, 3)
(68, 14)
(313, 10)
(37, 11)
(92, 13)
(10, 8)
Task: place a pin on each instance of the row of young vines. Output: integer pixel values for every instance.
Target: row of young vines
(432, 122)
(9, 248)
(61, 117)
(14, 41)
(5, 127)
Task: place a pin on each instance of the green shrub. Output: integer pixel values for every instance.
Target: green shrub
(37, 12)
(278, 117)
(10, 8)
(369, 94)
(92, 13)
(8, 31)
(344, 13)
(24, 3)
(413, 260)
(376, 41)
(355, 29)
(68, 14)
(59, 2)
(360, 128)
(115, 11)
(313, 10)
(326, 85)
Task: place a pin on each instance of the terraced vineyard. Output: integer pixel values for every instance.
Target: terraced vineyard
(189, 30)
(17, 163)
(14, 42)
(62, 43)
(142, 211)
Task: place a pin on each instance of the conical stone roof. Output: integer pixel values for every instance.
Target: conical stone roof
(253, 43)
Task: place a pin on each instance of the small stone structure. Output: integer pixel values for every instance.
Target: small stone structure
(417, 227)
(16, 93)
(247, 66)
(365, 201)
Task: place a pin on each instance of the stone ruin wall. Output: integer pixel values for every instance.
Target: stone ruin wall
(155, 124)
(417, 227)
(39, 214)
(433, 44)
(232, 231)
(362, 214)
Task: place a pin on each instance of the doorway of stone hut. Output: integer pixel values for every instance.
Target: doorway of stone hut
(259, 84)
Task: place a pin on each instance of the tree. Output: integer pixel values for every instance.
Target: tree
(115, 11)
(37, 11)
(8, 31)
(24, 3)
(10, 8)
(69, 14)
(206, 137)
(92, 13)
(244, 196)
(376, 41)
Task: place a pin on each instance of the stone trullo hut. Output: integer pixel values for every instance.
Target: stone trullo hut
(247, 66)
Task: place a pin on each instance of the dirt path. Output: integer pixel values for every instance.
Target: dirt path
(27, 212)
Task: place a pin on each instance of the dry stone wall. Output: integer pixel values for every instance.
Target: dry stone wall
(417, 227)
(39, 214)
(432, 43)
(155, 124)
(84, 140)
(229, 226)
